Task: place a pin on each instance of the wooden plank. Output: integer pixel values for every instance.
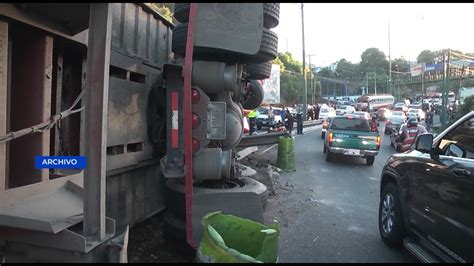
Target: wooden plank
(59, 97)
(3, 99)
(30, 104)
(96, 112)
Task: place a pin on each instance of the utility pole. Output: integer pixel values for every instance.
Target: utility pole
(305, 92)
(444, 91)
(389, 62)
(313, 98)
(375, 82)
(422, 81)
(367, 82)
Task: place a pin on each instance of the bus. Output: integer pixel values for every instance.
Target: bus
(371, 102)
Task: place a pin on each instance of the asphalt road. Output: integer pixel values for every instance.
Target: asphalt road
(328, 211)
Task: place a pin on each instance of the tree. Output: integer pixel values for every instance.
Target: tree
(427, 56)
(403, 65)
(291, 78)
(348, 71)
(372, 60)
(467, 106)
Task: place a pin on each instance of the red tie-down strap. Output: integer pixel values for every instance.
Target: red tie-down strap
(188, 180)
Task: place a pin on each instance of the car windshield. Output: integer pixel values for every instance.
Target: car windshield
(397, 113)
(397, 119)
(263, 111)
(350, 123)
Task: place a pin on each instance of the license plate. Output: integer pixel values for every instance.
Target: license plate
(216, 120)
(351, 152)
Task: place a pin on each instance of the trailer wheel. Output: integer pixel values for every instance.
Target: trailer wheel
(174, 228)
(181, 12)
(259, 71)
(271, 15)
(174, 192)
(254, 96)
(267, 52)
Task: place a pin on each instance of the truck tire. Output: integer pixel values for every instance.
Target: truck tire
(369, 160)
(271, 15)
(329, 155)
(174, 192)
(268, 48)
(173, 227)
(181, 12)
(254, 96)
(267, 52)
(394, 236)
(259, 71)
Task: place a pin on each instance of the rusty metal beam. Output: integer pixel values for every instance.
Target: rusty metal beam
(97, 97)
(3, 99)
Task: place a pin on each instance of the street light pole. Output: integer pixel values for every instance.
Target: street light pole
(375, 82)
(305, 93)
(313, 98)
(389, 62)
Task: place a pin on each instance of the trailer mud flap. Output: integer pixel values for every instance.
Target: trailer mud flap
(247, 205)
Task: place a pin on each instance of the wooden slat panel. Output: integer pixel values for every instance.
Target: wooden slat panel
(3, 98)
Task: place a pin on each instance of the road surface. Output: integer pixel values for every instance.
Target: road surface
(328, 210)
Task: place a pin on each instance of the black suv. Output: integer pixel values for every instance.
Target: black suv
(427, 196)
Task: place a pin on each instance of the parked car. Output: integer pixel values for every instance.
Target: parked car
(416, 113)
(262, 117)
(383, 114)
(351, 135)
(396, 119)
(426, 196)
(365, 115)
(345, 109)
(326, 112)
(415, 105)
(400, 106)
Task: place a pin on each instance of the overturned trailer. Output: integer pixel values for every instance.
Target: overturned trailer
(48, 54)
(158, 122)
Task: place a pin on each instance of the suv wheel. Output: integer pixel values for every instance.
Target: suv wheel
(391, 226)
(370, 160)
(329, 155)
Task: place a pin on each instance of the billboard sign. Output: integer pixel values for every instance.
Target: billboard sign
(271, 86)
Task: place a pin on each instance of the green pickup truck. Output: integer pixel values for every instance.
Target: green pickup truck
(351, 135)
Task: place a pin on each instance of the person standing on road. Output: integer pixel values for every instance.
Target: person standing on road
(252, 120)
(289, 122)
(316, 112)
(299, 125)
(271, 116)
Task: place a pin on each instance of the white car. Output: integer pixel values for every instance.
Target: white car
(416, 113)
(345, 109)
(326, 112)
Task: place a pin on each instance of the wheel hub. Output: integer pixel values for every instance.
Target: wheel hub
(388, 213)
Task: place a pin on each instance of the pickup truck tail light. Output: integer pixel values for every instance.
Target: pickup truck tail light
(377, 141)
(330, 137)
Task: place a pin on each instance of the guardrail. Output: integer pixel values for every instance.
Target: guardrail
(262, 139)
(270, 138)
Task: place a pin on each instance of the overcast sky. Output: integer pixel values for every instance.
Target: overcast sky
(344, 30)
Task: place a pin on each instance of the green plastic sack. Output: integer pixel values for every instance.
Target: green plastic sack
(286, 154)
(230, 239)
